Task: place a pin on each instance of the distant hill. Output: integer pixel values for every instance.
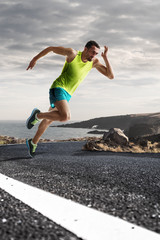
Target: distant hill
(122, 121)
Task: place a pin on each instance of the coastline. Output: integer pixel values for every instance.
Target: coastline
(4, 140)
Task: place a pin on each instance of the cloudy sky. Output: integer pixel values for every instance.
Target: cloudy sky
(131, 30)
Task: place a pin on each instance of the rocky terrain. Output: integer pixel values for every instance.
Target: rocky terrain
(116, 141)
(149, 144)
(13, 140)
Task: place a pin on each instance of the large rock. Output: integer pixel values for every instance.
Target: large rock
(115, 135)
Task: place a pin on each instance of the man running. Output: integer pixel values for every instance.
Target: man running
(76, 67)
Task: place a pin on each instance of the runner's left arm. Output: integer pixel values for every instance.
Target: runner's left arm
(105, 70)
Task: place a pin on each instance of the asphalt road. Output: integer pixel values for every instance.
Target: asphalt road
(121, 184)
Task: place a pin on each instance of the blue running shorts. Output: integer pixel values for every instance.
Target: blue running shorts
(58, 94)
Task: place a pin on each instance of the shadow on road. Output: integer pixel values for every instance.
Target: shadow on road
(15, 159)
(18, 158)
(103, 153)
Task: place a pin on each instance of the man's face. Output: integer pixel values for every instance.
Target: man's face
(91, 53)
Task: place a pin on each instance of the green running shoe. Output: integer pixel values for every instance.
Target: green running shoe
(31, 147)
(32, 120)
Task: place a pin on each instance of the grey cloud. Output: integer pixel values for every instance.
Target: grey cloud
(115, 23)
(24, 21)
(54, 20)
(19, 47)
(133, 81)
(128, 20)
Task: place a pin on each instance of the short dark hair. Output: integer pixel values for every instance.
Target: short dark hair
(92, 43)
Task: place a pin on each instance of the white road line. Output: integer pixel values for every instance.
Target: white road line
(87, 223)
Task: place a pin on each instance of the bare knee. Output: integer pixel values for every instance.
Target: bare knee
(45, 123)
(66, 116)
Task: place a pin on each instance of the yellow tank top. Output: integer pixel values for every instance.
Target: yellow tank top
(73, 74)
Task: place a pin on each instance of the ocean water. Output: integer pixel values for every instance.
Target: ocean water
(18, 129)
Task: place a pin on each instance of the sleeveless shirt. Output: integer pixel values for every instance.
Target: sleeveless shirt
(73, 74)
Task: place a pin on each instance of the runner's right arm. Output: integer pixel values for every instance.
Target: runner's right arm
(68, 52)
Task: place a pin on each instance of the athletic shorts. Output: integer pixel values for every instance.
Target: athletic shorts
(58, 94)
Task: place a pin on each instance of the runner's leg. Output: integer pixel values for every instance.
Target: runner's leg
(42, 127)
(61, 112)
